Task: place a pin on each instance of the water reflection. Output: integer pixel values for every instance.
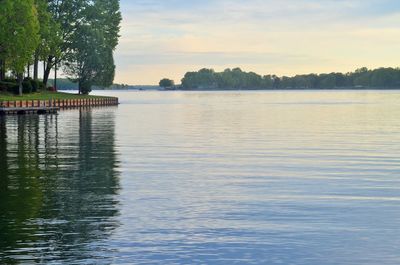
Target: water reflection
(278, 177)
(58, 186)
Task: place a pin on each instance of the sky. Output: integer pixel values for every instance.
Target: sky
(167, 38)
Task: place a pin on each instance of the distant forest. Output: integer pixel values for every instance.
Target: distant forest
(232, 79)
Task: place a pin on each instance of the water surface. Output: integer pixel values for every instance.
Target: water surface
(301, 177)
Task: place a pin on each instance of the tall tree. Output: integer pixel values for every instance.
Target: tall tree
(66, 16)
(20, 34)
(49, 33)
(89, 59)
(5, 8)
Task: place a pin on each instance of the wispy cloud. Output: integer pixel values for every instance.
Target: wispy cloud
(286, 36)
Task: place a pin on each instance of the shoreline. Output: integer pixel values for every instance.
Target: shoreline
(52, 102)
(46, 95)
(292, 89)
(60, 103)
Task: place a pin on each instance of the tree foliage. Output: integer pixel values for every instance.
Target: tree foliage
(80, 35)
(382, 78)
(50, 31)
(166, 83)
(89, 59)
(20, 34)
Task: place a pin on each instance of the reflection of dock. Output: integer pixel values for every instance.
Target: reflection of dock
(28, 110)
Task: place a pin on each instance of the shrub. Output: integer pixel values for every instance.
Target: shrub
(42, 86)
(27, 87)
(10, 87)
(4, 86)
(10, 80)
(35, 85)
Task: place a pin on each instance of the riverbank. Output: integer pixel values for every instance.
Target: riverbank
(49, 101)
(47, 95)
(291, 89)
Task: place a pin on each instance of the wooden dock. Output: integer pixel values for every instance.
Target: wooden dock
(28, 110)
(21, 107)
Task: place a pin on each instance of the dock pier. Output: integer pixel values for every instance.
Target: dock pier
(22, 107)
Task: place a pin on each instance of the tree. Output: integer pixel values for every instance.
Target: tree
(238, 79)
(5, 7)
(166, 83)
(20, 34)
(49, 36)
(89, 53)
(64, 20)
(81, 35)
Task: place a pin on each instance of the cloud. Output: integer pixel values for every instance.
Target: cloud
(212, 58)
(288, 35)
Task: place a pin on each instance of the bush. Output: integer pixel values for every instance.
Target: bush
(27, 87)
(5, 85)
(42, 86)
(35, 85)
(10, 87)
(10, 80)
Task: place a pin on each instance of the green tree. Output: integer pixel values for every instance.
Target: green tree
(5, 7)
(89, 59)
(65, 17)
(49, 36)
(20, 34)
(166, 83)
(361, 77)
(237, 79)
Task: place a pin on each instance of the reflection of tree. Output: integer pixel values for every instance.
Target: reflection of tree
(21, 194)
(86, 208)
(3, 156)
(4, 185)
(57, 192)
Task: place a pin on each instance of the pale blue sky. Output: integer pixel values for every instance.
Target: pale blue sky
(166, 38)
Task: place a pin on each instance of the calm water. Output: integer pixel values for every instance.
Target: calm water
(205, 178)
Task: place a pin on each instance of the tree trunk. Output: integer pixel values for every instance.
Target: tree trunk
(55, 75)
(20, 77)
(47, 70)
(29, 70)
(36, 66)
(2, 70)
(79, 87)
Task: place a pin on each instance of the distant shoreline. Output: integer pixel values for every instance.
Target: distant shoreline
(360, 79)
(222, 90)
(291, 89)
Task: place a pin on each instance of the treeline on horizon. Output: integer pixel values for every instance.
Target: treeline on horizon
(79, 36)
(230, 79)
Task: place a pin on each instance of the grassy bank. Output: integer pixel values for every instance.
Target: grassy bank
(46, 95)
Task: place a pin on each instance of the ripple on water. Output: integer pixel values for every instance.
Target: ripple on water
(293, 177)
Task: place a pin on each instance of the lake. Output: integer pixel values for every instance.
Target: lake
(280, 177)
